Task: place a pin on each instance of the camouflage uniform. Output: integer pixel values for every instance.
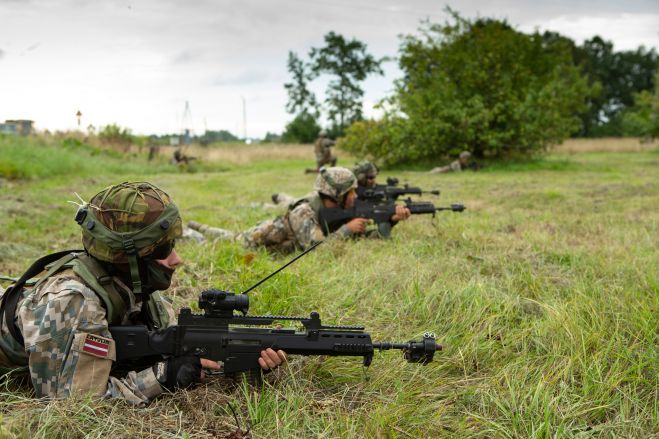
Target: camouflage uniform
(68, 347)
(64, 318)
(455, 166)
(299, 227)
(323, 151)
(283, 199)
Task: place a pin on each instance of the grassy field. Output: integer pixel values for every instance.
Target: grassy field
(544, 294)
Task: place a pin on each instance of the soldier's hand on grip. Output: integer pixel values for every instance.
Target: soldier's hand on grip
(357, 225)
(402, 213)
(179, 372)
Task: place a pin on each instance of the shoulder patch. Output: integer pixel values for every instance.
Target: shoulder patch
(96, 345)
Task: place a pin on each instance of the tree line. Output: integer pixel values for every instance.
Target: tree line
(479, 85)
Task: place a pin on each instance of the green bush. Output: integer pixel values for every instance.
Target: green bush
(302, 129)
(480, 86)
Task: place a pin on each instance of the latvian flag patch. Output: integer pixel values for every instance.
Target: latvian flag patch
(95, 345)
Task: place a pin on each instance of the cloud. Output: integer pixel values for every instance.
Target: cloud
(188, 56)
(248, 77)
(2, 53)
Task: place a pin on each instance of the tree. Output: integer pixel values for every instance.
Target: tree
(217, 137)
(642, 120)
(115, 135)
(302, 129)
(348, 63)
(620, 76)
(479, 86)
(300, 98)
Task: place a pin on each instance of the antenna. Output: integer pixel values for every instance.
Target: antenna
(244, 119)
(186, 124)
(281, 268)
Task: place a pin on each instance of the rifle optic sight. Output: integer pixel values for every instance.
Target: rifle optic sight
(222, 303)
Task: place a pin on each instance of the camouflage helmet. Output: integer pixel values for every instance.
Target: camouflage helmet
(363, 169)
(465, 155)
(322, 133)
(129, 221)
(335, 182)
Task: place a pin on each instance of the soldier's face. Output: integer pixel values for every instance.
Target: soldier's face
(172, 261)
(349, 199)
(370, 180)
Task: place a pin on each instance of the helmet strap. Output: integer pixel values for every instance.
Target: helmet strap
(129, 248)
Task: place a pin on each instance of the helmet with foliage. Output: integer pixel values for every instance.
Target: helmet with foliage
(322, 133)
(364, 169)
(335, 182)
(131, 223)
(465, 155)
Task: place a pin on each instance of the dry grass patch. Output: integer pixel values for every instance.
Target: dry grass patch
(607, 144)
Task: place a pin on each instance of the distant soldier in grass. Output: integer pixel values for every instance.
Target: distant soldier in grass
(181, 159)
(366, 173)
(463, 163)
(300, 226)
(323, 150)
(57, 328)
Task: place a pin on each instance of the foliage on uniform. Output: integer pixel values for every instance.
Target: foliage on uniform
(303, 129)
(618, 77)
(642, 120)
(479, 86)
(347, 63)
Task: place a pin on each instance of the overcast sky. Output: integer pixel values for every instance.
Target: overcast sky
(136, 62)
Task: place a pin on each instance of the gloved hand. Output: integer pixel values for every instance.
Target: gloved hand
(178, 372)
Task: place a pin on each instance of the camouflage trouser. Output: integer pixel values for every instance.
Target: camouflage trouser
(274, 235)
(214, 232)
(325, 158)
(441, 170)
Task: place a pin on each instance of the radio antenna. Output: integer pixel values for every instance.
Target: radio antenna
(282, 267)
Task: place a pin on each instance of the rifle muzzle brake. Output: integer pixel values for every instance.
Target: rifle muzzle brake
(421, 351)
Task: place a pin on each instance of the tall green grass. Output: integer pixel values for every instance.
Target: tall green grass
(543, 293)
(32, 158)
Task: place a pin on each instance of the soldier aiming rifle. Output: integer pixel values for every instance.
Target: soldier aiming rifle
(379, 212)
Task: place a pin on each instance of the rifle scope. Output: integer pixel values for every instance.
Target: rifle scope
(222, 303)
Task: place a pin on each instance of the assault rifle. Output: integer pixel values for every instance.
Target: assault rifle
(217, 335)
(332, 218)
(390, 191)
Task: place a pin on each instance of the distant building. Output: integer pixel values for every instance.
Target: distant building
(19, 126)
(6, 128)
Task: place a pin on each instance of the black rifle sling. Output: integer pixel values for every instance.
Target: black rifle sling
(10, 299)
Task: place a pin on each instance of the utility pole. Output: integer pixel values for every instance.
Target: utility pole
(186, 124)
(244, 120)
